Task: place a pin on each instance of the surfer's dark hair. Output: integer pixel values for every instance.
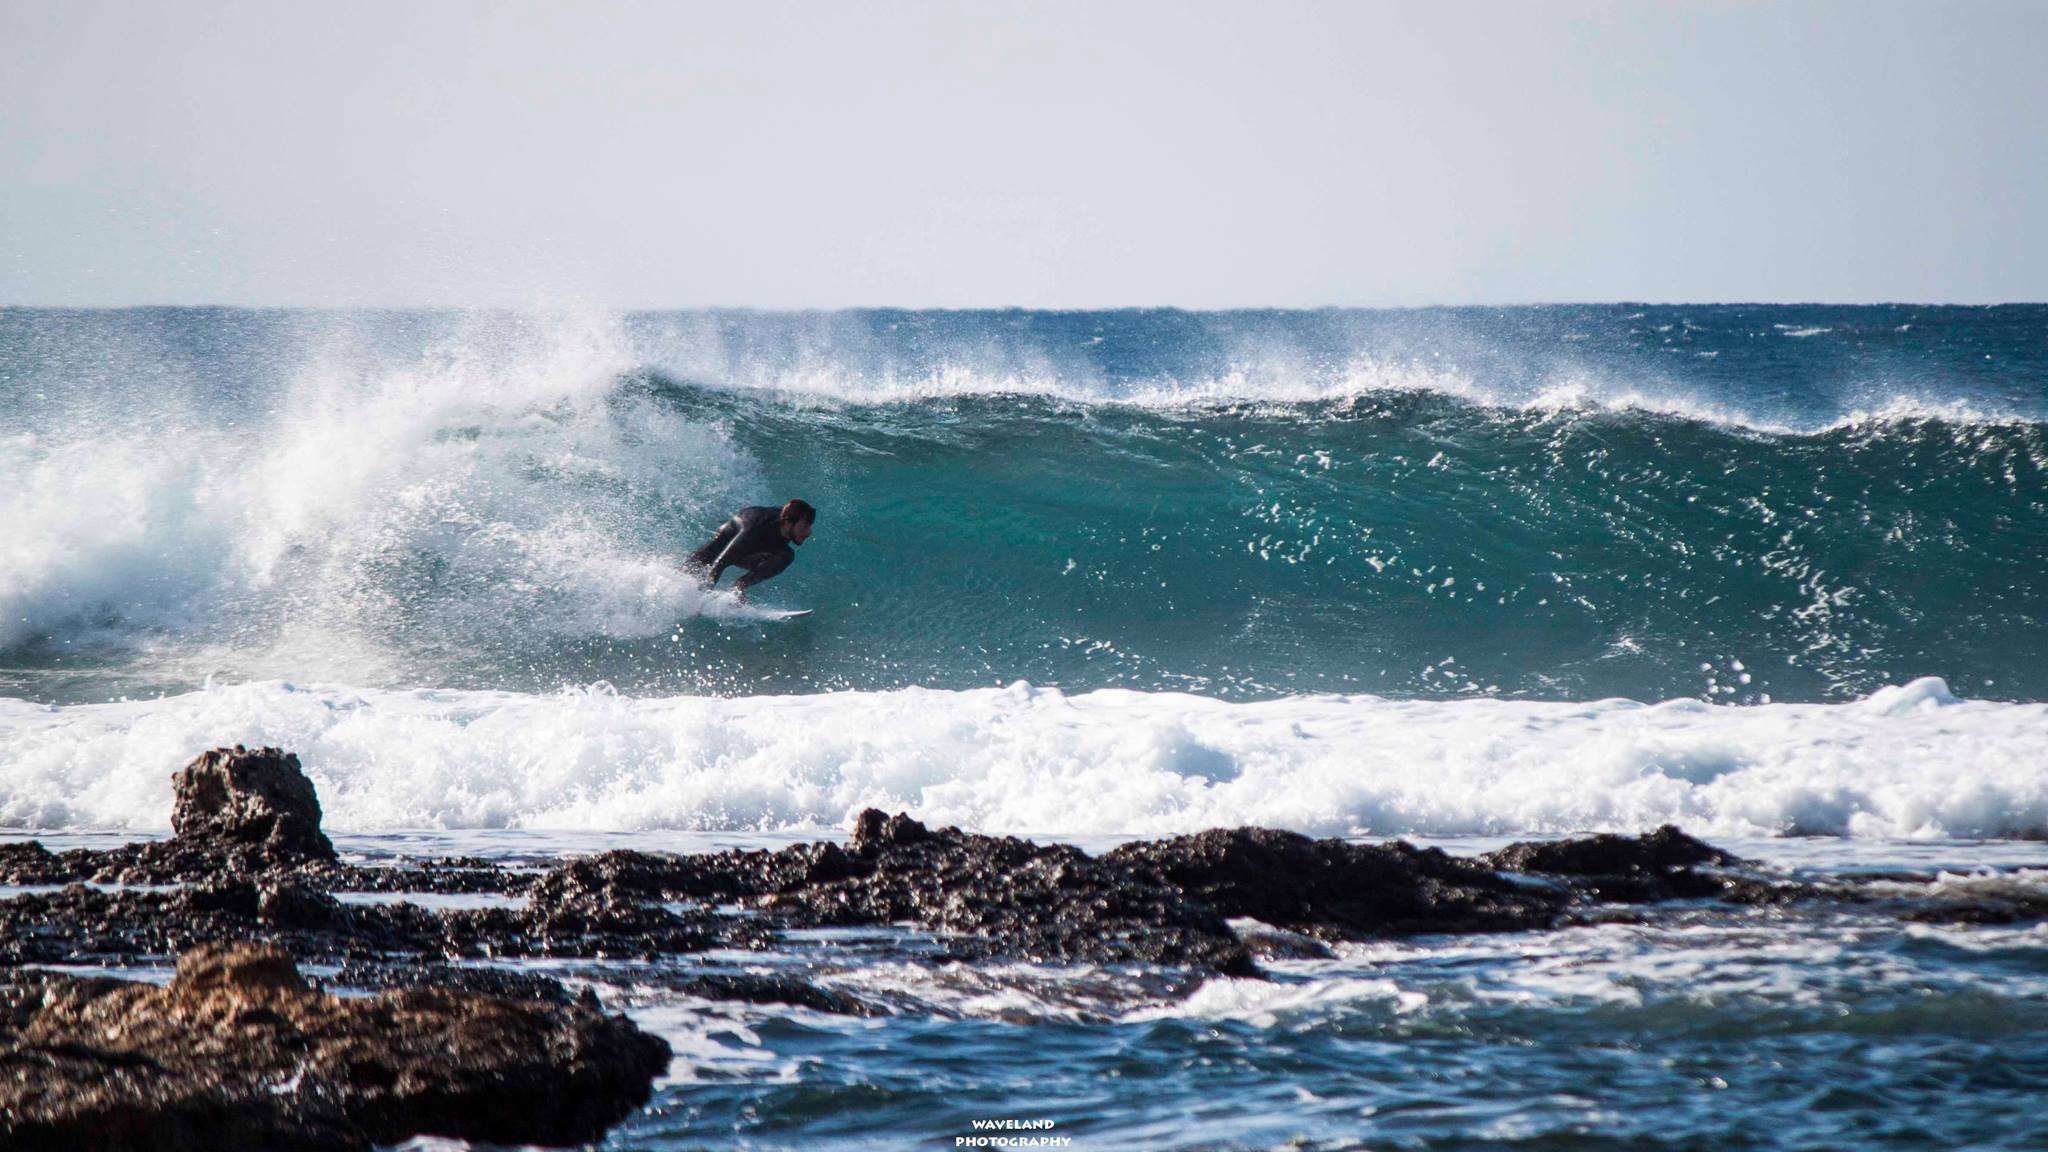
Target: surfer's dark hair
(798, 512)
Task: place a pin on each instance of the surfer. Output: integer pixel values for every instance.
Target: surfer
(759, 540)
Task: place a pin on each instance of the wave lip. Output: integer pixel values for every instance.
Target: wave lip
(1282, 385)
(1908, 761)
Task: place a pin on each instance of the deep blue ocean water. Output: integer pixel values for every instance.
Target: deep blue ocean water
(1773, 572)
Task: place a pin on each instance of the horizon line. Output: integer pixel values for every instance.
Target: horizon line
(754, 309)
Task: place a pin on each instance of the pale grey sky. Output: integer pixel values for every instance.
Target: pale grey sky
(1044, 155)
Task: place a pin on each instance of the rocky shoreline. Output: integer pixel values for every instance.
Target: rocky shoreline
(240, 1052)
(249, 886)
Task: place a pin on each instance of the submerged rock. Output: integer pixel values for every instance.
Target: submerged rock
(759, 988)
(239, 1052)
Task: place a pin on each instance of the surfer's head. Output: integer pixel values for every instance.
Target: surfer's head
(797, 518)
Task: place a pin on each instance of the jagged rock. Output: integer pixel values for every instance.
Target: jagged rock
(244, 797)
(78, 924)
(755, 988)
(607, 905)
(610, 877)
(1607, 854)
(229, 894)
(726, 875)
(1654, 866)
(1015, 898)
(874, 832)
(239, 1053)
(296, 906)
(505, 982)
(28, 862)
(1012, 897)
(1338, 888)
(710, 876)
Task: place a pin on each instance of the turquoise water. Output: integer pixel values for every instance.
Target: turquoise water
(1733, 503)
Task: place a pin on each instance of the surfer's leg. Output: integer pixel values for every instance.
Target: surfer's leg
(706, 556)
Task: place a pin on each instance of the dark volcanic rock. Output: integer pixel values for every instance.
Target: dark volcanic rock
(874, 833)
(755, 988)
(1007, 896)
(729, 875)
(260, 797)
(1606, 854)
(611, 877)
(78, 924)
(505, 982)
(1016, 898)
(297, 907)
(1338, 888)
(239, 1053)
(28, 862)
(237, 812)
(610, 905)
(1654, 866)
(231, 895)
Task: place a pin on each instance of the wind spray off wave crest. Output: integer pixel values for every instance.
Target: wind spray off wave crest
(358, 502)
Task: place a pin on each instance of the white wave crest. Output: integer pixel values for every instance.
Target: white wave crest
(1279, 383)
(1908, 761)
(502, 463)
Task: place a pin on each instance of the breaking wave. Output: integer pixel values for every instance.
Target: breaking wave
(1244, 506)
(1907, 761)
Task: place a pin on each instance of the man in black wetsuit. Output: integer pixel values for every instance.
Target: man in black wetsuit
(759, 540)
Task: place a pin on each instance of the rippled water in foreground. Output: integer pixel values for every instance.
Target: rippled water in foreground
(1687, 1026)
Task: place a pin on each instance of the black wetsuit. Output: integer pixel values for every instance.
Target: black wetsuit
(752, 540)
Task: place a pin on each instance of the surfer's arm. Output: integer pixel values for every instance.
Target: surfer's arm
(761, 571)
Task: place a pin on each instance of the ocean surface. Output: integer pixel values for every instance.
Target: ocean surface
(1774, 573)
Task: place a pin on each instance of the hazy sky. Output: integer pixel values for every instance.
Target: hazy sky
(1049, 155)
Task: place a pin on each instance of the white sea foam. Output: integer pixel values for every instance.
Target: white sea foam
(502, 465)
(1280, 383)
(1908, 761)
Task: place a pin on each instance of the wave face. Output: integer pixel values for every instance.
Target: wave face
(1736, 504)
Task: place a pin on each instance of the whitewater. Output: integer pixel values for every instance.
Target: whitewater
(1907, 762)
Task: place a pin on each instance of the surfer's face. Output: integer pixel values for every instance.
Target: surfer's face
(797, 532)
